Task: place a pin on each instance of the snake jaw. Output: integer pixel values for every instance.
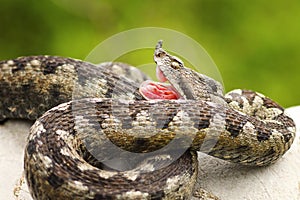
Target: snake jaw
(160, 75)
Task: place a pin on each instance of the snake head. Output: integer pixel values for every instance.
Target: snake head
(184, 83)
(170, 68)
(161, 57)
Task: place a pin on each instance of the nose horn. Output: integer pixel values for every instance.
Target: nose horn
(159, 44)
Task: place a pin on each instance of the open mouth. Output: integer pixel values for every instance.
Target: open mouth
(158, 90)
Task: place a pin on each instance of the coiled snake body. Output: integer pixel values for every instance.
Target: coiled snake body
(109, 112)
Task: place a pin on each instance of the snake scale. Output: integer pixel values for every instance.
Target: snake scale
(95, 110)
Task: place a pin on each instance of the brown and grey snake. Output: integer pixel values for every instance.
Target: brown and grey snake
(106, 137)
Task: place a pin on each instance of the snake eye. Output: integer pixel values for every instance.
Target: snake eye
(175, 65)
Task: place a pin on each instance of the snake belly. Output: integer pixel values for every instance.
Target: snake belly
(248, 128)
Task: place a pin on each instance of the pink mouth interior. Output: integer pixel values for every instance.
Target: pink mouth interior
(157, 90)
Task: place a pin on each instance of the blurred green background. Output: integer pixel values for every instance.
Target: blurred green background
(255, 44)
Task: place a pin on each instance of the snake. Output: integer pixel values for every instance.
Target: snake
(108, 132)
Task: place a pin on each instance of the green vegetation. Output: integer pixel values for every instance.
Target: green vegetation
(256, 44)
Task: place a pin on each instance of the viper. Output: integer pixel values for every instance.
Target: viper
(105, 132)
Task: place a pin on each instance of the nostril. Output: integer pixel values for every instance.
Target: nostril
(160, 54)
